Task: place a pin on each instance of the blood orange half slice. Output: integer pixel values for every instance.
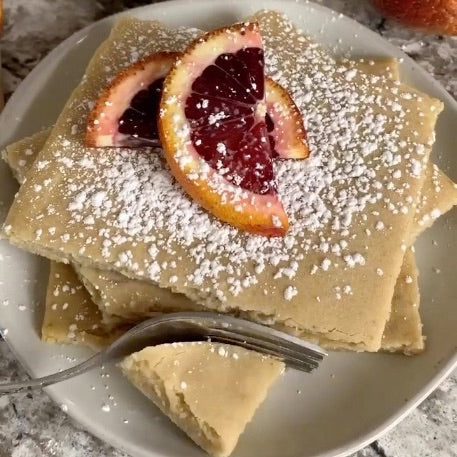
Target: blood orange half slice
(126, 112)
(214, 133)
(285, 127)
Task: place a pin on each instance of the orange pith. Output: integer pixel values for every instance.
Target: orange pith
(259, 213)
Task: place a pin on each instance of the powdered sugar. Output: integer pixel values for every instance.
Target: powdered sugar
(290, 292)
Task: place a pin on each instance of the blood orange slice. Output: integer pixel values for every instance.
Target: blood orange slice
(285, 127)
(126, 112)
(214, 133)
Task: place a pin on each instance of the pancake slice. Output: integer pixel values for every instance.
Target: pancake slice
(211, 391)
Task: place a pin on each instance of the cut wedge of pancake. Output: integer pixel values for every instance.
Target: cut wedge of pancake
(211, 391)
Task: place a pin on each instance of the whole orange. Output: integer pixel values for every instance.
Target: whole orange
(439, 16)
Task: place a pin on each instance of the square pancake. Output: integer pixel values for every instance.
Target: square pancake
(70, 316)
(332, 276)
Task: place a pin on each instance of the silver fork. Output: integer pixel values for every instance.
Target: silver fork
(191, 326)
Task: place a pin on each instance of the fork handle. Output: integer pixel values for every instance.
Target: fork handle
(38, 383)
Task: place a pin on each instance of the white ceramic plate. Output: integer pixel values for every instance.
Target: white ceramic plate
(353, 398)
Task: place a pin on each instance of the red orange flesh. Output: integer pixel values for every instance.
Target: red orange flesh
(126, 112)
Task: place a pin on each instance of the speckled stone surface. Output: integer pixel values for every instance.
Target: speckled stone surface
(31, 425)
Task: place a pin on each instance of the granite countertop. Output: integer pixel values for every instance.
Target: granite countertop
(31, 425)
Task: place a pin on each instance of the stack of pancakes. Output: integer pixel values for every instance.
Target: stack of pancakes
(126, 242)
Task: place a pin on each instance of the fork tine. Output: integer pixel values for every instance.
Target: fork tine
(258, 331)
(290, 346)
(272, 345)
(289, 361)
(192, 326)
(263, 345)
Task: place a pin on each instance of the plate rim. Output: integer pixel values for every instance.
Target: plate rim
(351, 445)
